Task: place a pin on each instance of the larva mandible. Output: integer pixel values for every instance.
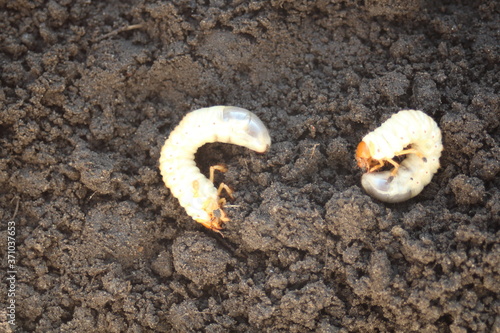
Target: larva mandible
(196, 193)
(408, 132)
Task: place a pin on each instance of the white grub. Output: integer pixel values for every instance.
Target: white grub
(195, 192)
(408, 132)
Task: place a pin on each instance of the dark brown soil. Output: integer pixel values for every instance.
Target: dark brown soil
(91, 89)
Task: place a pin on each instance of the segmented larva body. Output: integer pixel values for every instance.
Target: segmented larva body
(196, 193)
(408, 132)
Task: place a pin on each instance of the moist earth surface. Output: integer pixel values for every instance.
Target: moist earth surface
(90, 90)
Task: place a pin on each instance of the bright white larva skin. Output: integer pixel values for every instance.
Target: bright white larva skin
(405, 128)
(227, 124)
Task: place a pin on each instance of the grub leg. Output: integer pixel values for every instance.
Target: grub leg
(396, 167)
(222, 187)
(376, 167)
(410, 151)
(220, 168)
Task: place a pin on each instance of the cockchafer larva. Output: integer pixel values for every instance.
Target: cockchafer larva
(196, 193)
(408, 132)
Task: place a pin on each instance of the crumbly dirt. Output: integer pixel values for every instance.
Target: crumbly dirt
(91, 89)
